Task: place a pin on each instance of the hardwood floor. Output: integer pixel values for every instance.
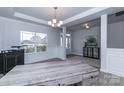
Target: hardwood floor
(85, 60)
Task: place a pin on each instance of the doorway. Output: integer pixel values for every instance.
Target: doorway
(68, 43)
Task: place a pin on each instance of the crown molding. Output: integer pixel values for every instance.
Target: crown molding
(27, 17)
(85, 14)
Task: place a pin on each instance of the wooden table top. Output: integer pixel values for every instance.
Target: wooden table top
(43, 72)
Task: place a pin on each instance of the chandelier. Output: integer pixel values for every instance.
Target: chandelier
(55, 22)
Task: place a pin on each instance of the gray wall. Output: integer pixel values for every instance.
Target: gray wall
(10, 35)
(79, 36)
(115, 35)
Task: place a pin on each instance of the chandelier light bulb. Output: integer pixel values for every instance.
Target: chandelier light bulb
(61, 22)
(87, 26)
(49, 23)
(54, 21)
(53, 25)
(58, 25)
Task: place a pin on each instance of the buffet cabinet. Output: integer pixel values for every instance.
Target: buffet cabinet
(9, 59)
(91, 52)
(1, 63)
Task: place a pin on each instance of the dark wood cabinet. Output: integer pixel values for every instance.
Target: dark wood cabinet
(11, 58)
(1, 63)
(91, 52)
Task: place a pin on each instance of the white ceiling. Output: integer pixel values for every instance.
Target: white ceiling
(47, 13)
(70, 15)
(44, 13)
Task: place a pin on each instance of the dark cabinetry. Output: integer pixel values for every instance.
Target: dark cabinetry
(91, 52)
(1, 63)
(10, 58)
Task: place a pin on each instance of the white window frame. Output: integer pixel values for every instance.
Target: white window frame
(35, 45)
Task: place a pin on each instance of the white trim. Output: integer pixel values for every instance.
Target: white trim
(104, 20)
(76, 53)
(118, 73)
(27, 17)
(103, 70)
(114, 72)
(20, 21)
(115, 61)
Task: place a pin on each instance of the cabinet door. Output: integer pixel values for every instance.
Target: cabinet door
(20, 57)
(90, 52)
(96, 53)
(1, 63)
(85, 53)
(10, 61)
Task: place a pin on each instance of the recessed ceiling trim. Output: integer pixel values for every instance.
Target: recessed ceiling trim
(85, 14)
(27, 17)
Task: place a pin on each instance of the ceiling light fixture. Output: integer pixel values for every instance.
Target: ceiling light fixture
(87, 26)
(55, 22)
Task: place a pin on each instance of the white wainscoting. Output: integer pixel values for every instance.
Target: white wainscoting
(52, 52)
(115, 61)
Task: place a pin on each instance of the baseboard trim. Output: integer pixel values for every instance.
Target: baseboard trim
(76, 53)
(118, 73)
(103, 70)
(114, 72)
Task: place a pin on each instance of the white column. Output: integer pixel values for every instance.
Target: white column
(104, 23)
(64, 42)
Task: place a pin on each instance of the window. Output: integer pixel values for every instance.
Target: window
(33, 42)
(26, 41)
(68, 41)
(41, 42)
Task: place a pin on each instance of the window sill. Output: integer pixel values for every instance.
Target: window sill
(35, 52)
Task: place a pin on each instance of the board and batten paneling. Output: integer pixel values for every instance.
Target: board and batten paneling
(115, 61)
